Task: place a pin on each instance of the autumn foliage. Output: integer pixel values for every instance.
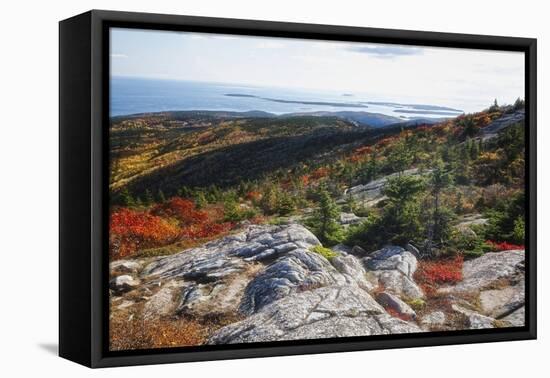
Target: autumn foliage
(319, 173)
(131, 230)
(177, 219)
(503, 246)
(441, 272)
(431, 274)
(181, 209)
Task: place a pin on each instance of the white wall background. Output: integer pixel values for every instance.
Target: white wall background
(29, 188)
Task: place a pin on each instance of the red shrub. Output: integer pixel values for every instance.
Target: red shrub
(440, 272)
(320, 173)
(253, 196)
(182, 209)
(503, 246)
(130, 231)
(205, 230)
(386, 141)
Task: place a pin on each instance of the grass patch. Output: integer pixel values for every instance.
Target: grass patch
(323, 251)
(128, 333)
(416, 304)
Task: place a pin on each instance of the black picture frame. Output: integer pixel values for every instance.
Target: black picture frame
(83, 196)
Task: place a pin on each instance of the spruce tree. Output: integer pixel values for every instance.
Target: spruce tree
(324, 221)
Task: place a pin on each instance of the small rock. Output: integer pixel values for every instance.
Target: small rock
(358, 251)
(412, 249)
(124, 266)
(161, 303)
(124, 283)
(349, 218)
(125, 304)
(388, 300)
(436, 318)
(342, 249)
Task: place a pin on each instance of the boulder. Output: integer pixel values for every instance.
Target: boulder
(161, 303)
(495, 127)
(392, 258)
(399, 284)
(327, 312)
(213, 278)
(474, 319)
(516, 318)
(297, 270)
(489, 269)
(393, 268)
(501, 302)
(372, 191)
(352, 270)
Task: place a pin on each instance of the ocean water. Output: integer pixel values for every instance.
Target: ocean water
(132, 96)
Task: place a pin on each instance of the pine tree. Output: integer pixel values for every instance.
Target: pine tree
(324, 221)
(149, 198)
(285, 204)
(401, 157)
(494, 107)
(200, 199)
(439, 226)
(126, 198)
(160, 196)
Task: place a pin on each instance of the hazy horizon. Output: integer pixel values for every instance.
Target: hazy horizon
(459, 78)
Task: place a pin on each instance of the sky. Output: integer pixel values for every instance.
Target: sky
(462, 78)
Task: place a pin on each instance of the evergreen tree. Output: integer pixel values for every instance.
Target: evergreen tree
(401, 157)
(324, 221)
(285, 204)
(200, 199)
(268, 203)
(469, 127)
(438, 229)
(149, 198)
(494, 107)
(126, 198)
(160, 196)
(519, 104)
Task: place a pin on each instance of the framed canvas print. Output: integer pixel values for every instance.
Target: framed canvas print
(233, 188)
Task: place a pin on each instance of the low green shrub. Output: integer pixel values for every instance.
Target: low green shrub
(323, 251)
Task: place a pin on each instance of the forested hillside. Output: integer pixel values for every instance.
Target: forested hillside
(411, 212)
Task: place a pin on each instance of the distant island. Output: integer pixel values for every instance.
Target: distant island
(453, 114)
(414, 106)
(325, 103)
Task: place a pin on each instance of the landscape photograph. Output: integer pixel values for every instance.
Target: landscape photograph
(266, 190)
